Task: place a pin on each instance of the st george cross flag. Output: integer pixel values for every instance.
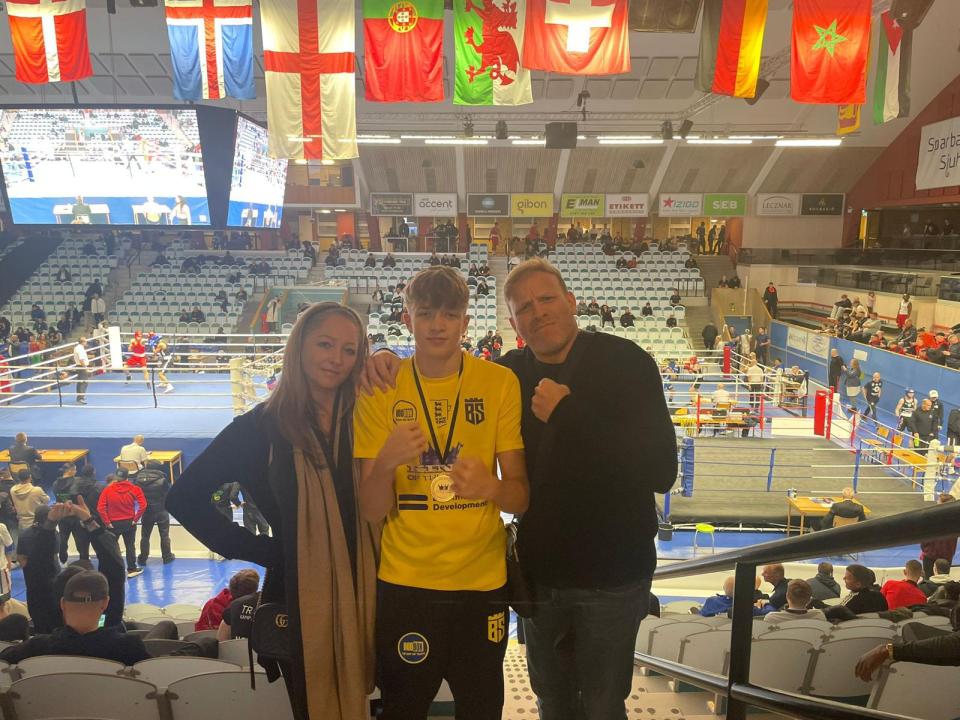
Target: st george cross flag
(49, 40)
(577, 37)
(489, 40)
(211, 48)
(891, 89)
(311, 81)
(831, 39)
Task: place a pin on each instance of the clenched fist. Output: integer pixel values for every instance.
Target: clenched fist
(404, 445)
(546, 397)
(471, 480)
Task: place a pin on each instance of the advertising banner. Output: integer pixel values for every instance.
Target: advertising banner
(777, 205)
(531, 205)
(435, 204)
(680, 205)
(939, 155)
(391, 204)
(724, 205)
(572, 205)
(488, 204)
(821, 204)
(628, 205)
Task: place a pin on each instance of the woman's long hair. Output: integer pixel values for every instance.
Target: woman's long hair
(291, 403)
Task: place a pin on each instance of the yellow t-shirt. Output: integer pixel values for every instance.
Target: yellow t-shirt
(433, 539)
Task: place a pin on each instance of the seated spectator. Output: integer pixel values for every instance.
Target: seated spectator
(606, 316)
(691, 263)
(135, 452)
(627, 318)
(846, 508)
(863, 596)
(593, 307)
(242, 583)
(735, 282)
(85, 598)
(719, 604)
(939, 577)
(675, 297)
(671, 322)
(37, 313)
(241, 295)
(774, 574)
(908, 334)
(840, 307)
(63, 275)
(389, 261)
(435, 260)
(799, 595)
(14, 626)
(482, 289)
(238, 617)
(22, 452)
(904, 593)
(822, 585)
(370, 262)
(197, 315)
(723, 282)
(221, 299)
(455, 261)
(160, 261)
(941, 548)
(445, 260)
(473, 271)
(646, 310)
(631, 263)
(582, 308)
(27, 498)
(621, 262)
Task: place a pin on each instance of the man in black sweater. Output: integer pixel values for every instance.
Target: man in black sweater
(864, 595)
(596, 453)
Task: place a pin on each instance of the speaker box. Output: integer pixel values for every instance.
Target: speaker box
(668, 16)
(561, 135)
(346, 175)
(910, 13)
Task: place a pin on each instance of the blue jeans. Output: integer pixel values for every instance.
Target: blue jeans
(580, 647)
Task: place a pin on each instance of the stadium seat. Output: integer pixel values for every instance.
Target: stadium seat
(84, 695)
(824, 626)
(228, 695)
(807, 634)
(53, 664)
(706, 651)
(235, 651)
(666, 640)
(138, 611)
(832, 673)
(930, 692)
(163, 671)
(160, 647)
(647, 627)
(780, 664)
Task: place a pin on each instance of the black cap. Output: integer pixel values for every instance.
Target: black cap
(122, 474)
(86, 586)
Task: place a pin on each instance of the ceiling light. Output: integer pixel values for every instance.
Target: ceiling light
(809, 142)
(541, 143)
(718, 141)
(458, 141)
(328, 162)
(427, 137)
(378, 141)
(369, 136)
(607, 141)
(325, 211)
(624, 137)
(756, 137)
(303, 161)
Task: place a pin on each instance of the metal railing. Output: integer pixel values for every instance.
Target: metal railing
(894, 530)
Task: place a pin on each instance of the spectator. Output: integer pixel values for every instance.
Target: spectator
(21, 452)
(923, 425)
(27, 499)
(245, 582)
(98, 308)
(852, 380)
(63, 491)
(155, 484)
(846, 508)
(719, 604)
(120, 507)
(908, 335)
(871, 393)
(37, 555)
(135, 452)
(723, 282)
(799, 595)
(734, 282)
(197, 315)
(942, 548)
(63, 275)
(221, 299)
(370, 262)
(905, 310)
(771, 299)
(939, 577)
(184, 316)
(435, 260)
(774, 574)
(835, 371)
(671, 321)
(675, 298)
(593, 308)
(863, 595)
(936, 407)
(86, 596)
(904, 593)
(627, 318)
(906, 407)
(482, 289)
(709, 334)
(389, 261)
(8, 513)
(14, 626)
(840, 307)
(237, 619)
(606, 316)
(646, 310)
(823, 585)
(241, 296)
(762, 341)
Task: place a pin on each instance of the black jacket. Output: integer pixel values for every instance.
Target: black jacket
(106, 643)
(592, 515)
(844, 509)
(155, 484)
(24, 454)
(953, 422)
(924, 423)
(836, 369)
(824, 587)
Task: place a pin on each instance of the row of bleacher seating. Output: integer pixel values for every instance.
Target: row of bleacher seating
(810, 657)
(482, 310)
(56, 297)
(360, 279)
(659, 342)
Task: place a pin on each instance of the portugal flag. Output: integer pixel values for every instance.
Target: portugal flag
(403, 51)
(731, 39)
(831, 39)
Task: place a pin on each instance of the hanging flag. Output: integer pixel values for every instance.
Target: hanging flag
(311, 82)
(731, 38)
(49, 40)
(891, 89)
(577, 37)
(403, 50)
(489, 40)
(211, 48)
(831, 39)
(848, 119)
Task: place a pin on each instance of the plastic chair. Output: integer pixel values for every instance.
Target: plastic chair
(84, 695)
(706, 529)
(905, 689)
(164, 671)
(228, 694)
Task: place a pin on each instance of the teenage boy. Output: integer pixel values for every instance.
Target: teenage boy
(428, 449)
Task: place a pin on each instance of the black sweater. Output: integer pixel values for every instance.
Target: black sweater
(592, 515)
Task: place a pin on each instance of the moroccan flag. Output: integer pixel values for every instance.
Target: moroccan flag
(891, 89)
(489, 40)
(403, 50)
(831, 39)
(577, 37)
(731, 38)
(211, 48)
(49, 40)
(311, 82)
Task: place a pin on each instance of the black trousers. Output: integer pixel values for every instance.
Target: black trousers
(127, 529)
(71, 526)
(160, 518)
(254, 522)
(427, 636)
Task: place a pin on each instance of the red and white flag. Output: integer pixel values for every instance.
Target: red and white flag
(49, 40)
(577, 37)
(311, 85)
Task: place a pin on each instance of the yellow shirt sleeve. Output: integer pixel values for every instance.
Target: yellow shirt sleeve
(370, 426)
(508, 423)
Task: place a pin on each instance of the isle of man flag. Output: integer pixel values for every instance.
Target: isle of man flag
(577, 37)
(49, 40)
(489, 41)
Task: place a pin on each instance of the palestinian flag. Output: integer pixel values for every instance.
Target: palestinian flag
(403, 50)
(731, 39)
(489, 41)
(891, 88)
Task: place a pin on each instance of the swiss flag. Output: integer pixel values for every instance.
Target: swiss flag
(577, 37)
(49, 40)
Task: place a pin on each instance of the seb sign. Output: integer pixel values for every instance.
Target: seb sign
(724, 205)
(435, 204)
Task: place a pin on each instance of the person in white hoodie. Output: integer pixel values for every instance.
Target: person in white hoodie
(933, 586)
(27, 497)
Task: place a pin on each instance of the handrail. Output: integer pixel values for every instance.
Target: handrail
(902, 529)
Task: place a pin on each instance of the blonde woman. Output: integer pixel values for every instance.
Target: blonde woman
(293, 456)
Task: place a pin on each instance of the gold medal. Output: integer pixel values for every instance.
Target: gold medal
(440, 488)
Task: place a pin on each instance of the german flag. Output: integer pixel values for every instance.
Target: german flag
(731, 38)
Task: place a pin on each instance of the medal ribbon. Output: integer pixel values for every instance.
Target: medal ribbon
(427, 413)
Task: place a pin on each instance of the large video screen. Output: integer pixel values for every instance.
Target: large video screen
(97, 166)
(258, 182)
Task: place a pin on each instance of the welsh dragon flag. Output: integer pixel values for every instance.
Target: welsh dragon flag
(489, 41)
(891, 90)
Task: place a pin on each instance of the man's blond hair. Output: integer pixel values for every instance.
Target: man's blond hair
(526, 268)
(438, 287)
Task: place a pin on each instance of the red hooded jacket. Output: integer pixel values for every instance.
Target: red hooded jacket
(121, 500)
(213, 610)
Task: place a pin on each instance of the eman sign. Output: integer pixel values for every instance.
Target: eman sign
(582, 205)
